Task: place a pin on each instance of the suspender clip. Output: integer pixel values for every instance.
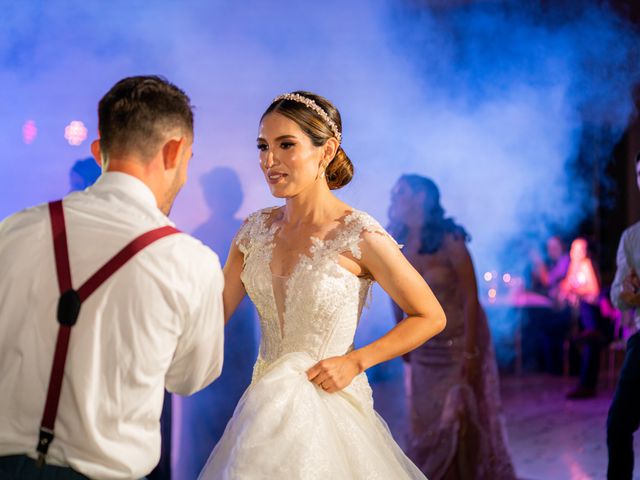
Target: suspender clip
(44, 440)
(69, 308)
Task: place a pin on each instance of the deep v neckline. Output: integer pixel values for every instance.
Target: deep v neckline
(280, 284)
(316, 243)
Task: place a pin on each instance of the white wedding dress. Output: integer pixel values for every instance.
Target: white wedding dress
(284, 426)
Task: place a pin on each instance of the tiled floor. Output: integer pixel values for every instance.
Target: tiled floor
(551, 438)
(554, 438)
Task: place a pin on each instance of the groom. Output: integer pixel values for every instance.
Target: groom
(151, 319)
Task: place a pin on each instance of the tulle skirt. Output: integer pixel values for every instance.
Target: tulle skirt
(285, 427)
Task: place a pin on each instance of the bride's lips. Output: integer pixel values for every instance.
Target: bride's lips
(275, 177)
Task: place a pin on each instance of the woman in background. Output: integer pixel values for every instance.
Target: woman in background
(580, 289)
(457, 430)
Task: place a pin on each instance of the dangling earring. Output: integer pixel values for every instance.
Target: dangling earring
(321, 171)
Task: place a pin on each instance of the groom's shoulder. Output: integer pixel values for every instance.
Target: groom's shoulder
(197, 253)
(184, 259)
(24, 222)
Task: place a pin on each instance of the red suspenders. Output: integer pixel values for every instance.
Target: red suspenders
(69, 308)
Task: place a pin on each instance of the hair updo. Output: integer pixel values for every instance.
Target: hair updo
(339, 171)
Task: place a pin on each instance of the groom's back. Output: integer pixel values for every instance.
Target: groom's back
(156, 322)
(126, 336)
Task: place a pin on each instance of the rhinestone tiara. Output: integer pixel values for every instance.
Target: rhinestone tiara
(296, 97)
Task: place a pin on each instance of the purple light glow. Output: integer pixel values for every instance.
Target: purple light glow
(29, 132)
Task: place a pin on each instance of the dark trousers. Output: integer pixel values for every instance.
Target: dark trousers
(553, 328)
(21, 467)
(594, 330)
(624, 414)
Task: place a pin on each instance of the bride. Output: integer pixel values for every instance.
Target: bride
(308, 266)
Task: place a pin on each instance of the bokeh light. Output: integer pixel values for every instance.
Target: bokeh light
(29, 131)
(75, 133)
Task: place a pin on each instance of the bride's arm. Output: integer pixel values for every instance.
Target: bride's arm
(425, 318)
(234, 290)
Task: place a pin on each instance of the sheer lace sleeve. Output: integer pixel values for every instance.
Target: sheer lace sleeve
(356, 225)
(252, 230)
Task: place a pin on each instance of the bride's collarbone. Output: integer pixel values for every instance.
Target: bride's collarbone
(292, 243)
(286, 258)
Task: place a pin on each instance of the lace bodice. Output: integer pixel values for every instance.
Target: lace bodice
(320, 303)
(285, 426)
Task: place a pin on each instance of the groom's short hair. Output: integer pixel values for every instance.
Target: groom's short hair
(138, 112)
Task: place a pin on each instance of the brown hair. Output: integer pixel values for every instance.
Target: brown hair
(339, 171)
(138, 111)
(434, 224)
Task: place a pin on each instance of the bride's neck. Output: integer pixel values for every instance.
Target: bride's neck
(313, 206)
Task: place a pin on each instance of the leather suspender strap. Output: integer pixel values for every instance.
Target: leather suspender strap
(69, 308)
(121, 258)
(63, 269)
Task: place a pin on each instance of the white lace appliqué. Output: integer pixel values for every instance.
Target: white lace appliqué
(322, 300)
(285, 426)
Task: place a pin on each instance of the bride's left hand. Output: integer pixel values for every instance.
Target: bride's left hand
(333, 374)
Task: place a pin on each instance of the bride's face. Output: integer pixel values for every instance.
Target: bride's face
(289, 160)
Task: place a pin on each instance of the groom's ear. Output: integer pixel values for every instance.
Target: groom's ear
(171, 152)
(96, 152)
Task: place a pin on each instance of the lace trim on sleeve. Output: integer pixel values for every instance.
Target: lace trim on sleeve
(357, 224)
(251, 230)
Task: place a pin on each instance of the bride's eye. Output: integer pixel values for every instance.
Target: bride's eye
(262, 147)
(286, 145)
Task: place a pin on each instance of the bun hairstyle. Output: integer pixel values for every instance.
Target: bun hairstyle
(339, 171)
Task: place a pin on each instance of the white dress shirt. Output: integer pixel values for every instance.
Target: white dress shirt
(628, 259)
(158, 321)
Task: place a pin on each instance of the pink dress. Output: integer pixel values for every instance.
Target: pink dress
(457, 432)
